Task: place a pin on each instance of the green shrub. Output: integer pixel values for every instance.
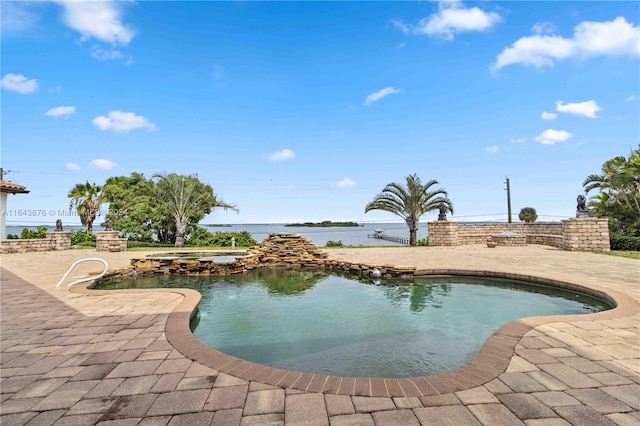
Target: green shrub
(423, 242)
(145, 244)
(86, 244)
(334, 243)
(83, 238)
(201, 237)
(28, 234)
(622, 242)
(12, 237)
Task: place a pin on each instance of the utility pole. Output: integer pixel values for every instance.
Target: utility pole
(508, 199)
(3, 172)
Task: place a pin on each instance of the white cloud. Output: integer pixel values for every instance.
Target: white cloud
(492, 149)
(345, 182)
(18, 83)
(611, 38)
(102, 164)
(551, 136)
(285, 154)
(118, 121)
(72, 167)
(548, 115)
(375, 97)
(543, 28)
(452, 18)
(401, 26)
(61, 110)
(632, 98)
(16, 18)
(105, 55)
(587, 109)
(101, 20)
(518, 140)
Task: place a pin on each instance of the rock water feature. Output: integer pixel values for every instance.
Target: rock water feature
(279, 250)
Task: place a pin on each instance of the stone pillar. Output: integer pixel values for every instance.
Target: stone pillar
(61, 239)
(443, 233)
(586, 234)
(109, 241)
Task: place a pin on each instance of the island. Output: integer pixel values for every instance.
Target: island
(325, 224)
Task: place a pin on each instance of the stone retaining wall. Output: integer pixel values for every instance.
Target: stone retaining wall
(546, 240)
(576, 234)
(445, 233)
(57, 240)
(109, 241)
(586, 234)
(486, 229)
(510, 240)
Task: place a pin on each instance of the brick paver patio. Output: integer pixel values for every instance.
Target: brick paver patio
(77, 358)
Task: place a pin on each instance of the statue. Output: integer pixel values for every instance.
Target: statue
(442, 215)
(58, 225)
(582, 207)
(107, 225)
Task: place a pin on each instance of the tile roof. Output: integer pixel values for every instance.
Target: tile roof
(12, 188)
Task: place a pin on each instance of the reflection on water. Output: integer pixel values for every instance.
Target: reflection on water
(283, 281)
(419, 296)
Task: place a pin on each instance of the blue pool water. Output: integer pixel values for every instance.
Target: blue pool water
(313, 321)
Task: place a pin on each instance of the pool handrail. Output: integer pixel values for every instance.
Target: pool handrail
(82, 280)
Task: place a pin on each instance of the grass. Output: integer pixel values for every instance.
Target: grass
(627, 254)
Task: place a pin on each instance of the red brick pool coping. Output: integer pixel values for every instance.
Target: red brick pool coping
(492, 360)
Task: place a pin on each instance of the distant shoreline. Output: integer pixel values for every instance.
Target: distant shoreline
(325, 224)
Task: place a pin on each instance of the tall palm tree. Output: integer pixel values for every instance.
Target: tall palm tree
(86, 198)
(411, 201)
(186, 199)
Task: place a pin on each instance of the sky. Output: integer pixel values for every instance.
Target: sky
(304, 111)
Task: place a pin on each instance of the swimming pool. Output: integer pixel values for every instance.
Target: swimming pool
(312, 321)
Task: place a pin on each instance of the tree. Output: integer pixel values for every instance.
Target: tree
(186, 200)
(528, 215)
(132, 206)
(411, 201)
(619, 193)
(86, 198)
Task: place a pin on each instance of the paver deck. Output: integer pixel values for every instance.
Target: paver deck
(105, 358)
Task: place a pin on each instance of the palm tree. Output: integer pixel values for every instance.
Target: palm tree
(528, 215)
(411, 202)
(86, 198)
(186, 200)
(620, 180)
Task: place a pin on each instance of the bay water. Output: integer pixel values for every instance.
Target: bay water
(348, 235)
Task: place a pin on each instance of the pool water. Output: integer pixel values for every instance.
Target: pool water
(313, 321)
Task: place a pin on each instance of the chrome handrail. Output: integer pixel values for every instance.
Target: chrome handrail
(106, 268)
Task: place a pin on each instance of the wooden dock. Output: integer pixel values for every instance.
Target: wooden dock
(393, 238)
